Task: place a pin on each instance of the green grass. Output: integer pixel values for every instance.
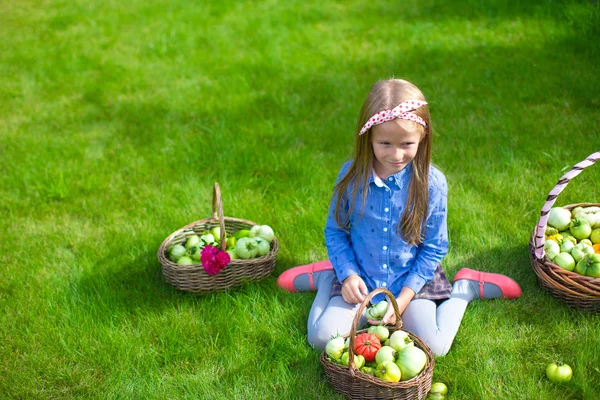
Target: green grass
(116, 118)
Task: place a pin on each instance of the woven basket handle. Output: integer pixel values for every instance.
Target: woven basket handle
(562, 183)
(358, 316)
(218, 213)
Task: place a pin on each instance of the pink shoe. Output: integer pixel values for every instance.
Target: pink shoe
(286, 279)
(510, 289)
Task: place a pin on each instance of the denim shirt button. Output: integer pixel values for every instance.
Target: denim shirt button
(386, 209)
(384, 247)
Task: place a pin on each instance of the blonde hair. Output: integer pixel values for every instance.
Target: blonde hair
(385, 95)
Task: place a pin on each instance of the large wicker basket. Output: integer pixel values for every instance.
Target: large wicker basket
(193, 278)
(355, 384)
(578, 291)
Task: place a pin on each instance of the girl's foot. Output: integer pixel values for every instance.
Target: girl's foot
(484, 285)
(302, 278)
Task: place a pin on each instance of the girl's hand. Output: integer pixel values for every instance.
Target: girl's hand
(405, 297)
(354, 289)
(390, 316)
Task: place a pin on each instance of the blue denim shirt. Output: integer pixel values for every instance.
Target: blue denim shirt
(373, 250)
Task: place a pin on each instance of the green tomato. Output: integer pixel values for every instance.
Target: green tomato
(411, 361)
(380, 331)
(559, 372)
(335, 347)
(580, 228)
(263, 231)
(388, 371)
(435, 396)
(191, 241)
(566, 246)
(559, 218)
(570, 238)
(439, 387)
(551, 248)
(368, 370)
(581, 250)
(195, 252)
(232, 254)
(254, 231)
(207, 238)
(263, 246)
(589, 266)
(241, 233)
(246, 248)
(377, 311)
(359, 361)
(595, 236)
(216, 232)
(176, 252)
(399, 340)
(565, 261)
(587, 241)
(231, 242)
(386, 353)
(185, 260)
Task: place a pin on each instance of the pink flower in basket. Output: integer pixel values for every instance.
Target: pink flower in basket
(213, 260)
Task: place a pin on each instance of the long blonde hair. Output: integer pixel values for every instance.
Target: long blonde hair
(385, 95)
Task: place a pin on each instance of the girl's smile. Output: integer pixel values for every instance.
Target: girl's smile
(395, 144)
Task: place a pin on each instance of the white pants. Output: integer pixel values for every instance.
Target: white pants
(435, 325)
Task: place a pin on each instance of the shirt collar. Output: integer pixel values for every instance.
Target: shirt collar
(398, 177)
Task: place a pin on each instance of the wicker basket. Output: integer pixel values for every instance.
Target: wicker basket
(355, 384)
(578, 291)
(193, 278)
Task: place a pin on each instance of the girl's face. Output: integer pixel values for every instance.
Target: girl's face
(394, 146)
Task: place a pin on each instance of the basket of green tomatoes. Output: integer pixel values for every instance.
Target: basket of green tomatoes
(218, 253)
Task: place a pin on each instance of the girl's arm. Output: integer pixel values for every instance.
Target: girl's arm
(337, 241)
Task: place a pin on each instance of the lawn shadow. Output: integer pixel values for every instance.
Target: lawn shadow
(515, 263)
(140, 284)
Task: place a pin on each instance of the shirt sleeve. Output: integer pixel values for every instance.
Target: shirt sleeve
(435, 244)
(337, 240)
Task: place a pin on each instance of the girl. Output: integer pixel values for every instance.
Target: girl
(386, 227)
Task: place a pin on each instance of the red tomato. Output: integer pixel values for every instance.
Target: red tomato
(367, 345)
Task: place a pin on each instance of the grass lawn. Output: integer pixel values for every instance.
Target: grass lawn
(116, 118)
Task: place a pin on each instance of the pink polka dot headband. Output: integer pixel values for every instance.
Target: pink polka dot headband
(401, 111)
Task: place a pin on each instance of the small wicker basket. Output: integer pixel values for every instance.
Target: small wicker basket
(193, 278)
(355, 384)
(578, 291)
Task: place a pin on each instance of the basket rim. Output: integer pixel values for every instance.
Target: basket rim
(552, 282)
(189, 227)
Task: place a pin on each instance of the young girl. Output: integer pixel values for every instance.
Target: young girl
(386, 228)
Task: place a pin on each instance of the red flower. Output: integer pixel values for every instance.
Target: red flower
(223, 258)
(213, 260)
